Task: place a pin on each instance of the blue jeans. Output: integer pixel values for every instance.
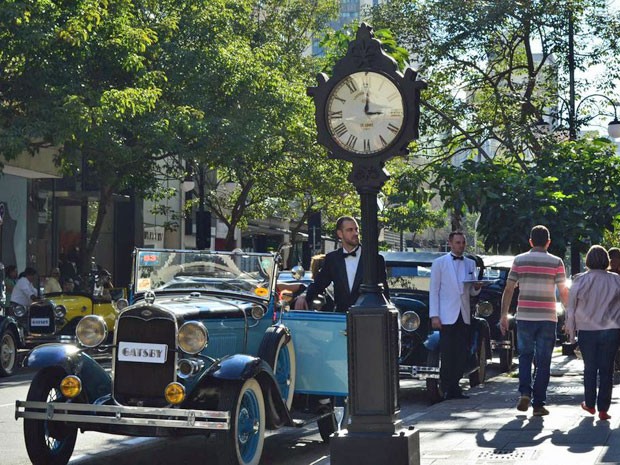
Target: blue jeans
(535, 341)
(599, 350)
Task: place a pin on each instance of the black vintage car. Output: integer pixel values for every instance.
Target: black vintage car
(489, 306)
(409, 279)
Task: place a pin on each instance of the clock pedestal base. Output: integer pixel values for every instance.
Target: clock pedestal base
(400, 448)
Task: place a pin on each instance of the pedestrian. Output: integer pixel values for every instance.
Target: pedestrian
(593, 317)
(9, 282)
(24, 292)
(52, 283)
(450, 311)
(343, 268)
(614, 259)
(68, 285)
(537, 273)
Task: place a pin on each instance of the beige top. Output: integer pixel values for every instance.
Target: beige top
(593, 302)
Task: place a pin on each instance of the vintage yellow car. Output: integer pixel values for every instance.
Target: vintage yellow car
(53, 319)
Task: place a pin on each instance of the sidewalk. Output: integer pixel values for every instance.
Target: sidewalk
(487, 428)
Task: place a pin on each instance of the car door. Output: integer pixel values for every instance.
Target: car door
(320, 345)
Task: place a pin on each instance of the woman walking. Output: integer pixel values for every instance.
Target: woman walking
(593, 316)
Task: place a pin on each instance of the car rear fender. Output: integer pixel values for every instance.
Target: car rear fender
(96, 382)
(240, 367)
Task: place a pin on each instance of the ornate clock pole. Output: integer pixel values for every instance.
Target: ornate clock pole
(367, 113)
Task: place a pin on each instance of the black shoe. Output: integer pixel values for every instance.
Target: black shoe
(459, 395)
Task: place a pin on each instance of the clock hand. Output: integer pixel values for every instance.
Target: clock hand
(374, 112)
(366, 105)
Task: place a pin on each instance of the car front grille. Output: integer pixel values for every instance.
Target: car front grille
(41, 318)
(142, 383)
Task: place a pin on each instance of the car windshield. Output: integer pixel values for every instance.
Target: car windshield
(408, 276)
(237, 272)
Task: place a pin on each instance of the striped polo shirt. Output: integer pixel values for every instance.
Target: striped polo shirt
(537, 272)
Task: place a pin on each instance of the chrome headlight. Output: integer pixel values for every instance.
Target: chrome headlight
(60, 311)
(19, 310)
(120, 304)
(192, 337)
(257, 312)
(484, 309)
(91, 331)
(410, 321)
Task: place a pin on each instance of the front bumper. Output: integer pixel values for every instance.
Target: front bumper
(418, 372)
(82, 414)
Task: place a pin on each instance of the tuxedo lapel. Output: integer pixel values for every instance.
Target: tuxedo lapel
(341, 272)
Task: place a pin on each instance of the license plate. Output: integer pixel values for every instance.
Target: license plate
(39, 322)
(142, 352)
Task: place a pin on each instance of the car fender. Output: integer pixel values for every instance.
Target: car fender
(238, 368)
(483, 330)
(96, 382)
(8, 322)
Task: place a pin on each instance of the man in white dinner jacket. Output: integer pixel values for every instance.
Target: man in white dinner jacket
(450, 312)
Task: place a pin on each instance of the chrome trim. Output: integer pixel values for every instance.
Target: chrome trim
(496, 345)
(418, 372)
(123, 415)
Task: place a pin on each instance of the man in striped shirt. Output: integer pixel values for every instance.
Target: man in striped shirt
(537, 274)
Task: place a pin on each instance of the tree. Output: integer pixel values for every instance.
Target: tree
(573, 191)
(78, 78)
(244, 88)
(494, 70)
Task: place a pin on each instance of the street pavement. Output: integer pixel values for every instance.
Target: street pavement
(488, 429)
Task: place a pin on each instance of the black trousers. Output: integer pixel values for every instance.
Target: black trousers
(453, 345)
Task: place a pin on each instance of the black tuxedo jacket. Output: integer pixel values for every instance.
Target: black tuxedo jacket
(335, 271)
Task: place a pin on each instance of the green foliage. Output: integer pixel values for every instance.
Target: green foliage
(571, 190)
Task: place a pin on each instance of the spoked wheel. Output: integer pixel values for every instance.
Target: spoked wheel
(434, 393)
(243, 443)
(48, 443)
(478, 376)
(8, 353)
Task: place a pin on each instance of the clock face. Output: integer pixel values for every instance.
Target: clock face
(365, 113)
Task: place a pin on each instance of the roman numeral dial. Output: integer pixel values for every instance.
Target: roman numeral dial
(365, 113)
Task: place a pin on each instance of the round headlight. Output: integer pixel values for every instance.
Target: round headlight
(192, 337)
(91, 331)
(484, 309)
(71, 386)
(257, 312)
(410, 321)
(19, 310)
(175, 393)
(60, 311)
(120, 304)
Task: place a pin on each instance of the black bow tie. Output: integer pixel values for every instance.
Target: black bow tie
(353, 253)
(454, 257)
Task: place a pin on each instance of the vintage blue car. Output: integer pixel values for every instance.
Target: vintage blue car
(207, 347)
(408, 275)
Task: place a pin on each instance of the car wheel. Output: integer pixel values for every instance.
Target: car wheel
(243, 443)
(478, 376)
(49, 443)
(8, 353)
(506, 355)
(434, 393)
(278, 351)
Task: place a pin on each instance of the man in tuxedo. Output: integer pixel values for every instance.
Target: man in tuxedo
(343, 268)
(450, 311)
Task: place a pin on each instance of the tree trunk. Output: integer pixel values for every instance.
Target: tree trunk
(87, 255)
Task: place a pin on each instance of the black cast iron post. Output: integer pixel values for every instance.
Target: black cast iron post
(374, 435)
